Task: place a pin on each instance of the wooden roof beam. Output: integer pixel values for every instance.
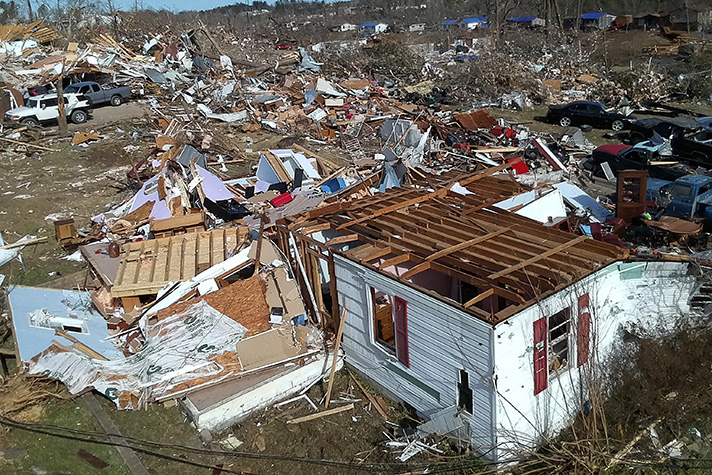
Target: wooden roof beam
(535, 259)
(487, 293)
(343, 239)
(394, 261)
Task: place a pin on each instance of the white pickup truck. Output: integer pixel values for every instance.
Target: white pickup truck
(44, 108)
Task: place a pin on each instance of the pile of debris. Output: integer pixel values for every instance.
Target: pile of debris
(219, 290)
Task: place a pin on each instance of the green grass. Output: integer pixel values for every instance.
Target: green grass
(160, 424)
(59, 455)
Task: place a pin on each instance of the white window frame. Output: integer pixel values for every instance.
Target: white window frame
(551, 355)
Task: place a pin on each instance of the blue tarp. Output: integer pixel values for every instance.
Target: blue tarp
(593, 16)
(481, 19)
(522, 19)
(335, 184)
(449, 22)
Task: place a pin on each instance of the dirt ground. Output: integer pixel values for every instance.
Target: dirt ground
(264, 443)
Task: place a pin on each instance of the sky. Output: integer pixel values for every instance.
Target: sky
(178, 5)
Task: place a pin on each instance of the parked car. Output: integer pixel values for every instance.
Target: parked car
(590, 113)
(643, 129)
(696, 146)
(100, 95)
(44, 109)
(687, 197)
(643, 157)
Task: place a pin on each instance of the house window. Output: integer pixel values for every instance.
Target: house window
(384, 332)
(559, 332)
(390, 324)
(464, 393)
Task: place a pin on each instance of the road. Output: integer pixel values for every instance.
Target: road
(108, 114)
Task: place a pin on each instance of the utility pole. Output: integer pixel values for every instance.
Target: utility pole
(29, 9)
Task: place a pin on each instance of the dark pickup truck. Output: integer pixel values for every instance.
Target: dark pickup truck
(687, 197)
(98, 95)
(697, 147)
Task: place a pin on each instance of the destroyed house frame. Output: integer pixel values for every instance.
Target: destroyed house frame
(471, 280)
(510, 261)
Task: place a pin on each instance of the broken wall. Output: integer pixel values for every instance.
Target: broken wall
(442, 341)
(650, 297)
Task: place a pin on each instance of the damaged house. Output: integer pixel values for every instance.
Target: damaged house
(486, 322)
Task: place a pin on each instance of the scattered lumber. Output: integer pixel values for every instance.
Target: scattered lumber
(321, 414)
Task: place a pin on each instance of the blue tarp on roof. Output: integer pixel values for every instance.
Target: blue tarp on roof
(369, 25)
(480, 19)
(449, 22)
(522, 19)
(593, 16)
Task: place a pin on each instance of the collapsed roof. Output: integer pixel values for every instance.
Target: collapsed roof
(453, 229)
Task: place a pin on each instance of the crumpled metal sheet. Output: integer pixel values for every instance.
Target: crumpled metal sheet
(177, 349)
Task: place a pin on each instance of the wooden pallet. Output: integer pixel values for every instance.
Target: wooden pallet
(147, 266)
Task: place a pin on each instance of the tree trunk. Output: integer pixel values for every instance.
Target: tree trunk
(62, 119)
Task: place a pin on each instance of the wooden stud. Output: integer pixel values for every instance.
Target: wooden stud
(479, 297)
(538, 258)
(337, 346)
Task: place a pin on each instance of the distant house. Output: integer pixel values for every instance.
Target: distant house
(473, 23)
(345, 27)
(597, 20)
(696, 19)
(448, 25)
(527, 21)
(374, 28)
(417, 27)
(648, 21)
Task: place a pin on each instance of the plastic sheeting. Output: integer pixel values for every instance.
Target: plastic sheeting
(308, 63)
(239, 116)
(178, 349)
(213, 187)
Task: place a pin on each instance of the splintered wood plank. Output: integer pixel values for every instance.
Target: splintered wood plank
(232, 238)
(189, 257)
(203, 252)
(174, 252)
(217, 245)
(146, 262)
(160, 268)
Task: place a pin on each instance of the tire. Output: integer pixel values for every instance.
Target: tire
(699, 156)
(565, 121)
(116, 100)
(30, 122)
(617, 125)
(635, 138)
(79, 116)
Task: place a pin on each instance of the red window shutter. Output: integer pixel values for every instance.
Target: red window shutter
(584, 329)
(540, 370)
(401, 312)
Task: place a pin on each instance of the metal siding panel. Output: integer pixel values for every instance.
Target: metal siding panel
(441, 341)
